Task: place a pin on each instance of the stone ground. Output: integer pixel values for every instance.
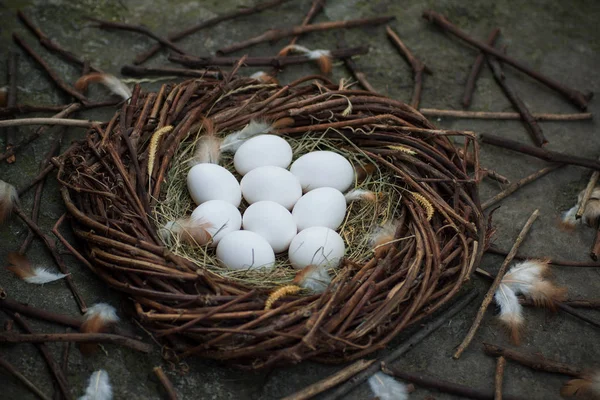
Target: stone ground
(558, 38)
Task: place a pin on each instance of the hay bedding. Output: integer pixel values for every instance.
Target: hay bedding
(198, 308)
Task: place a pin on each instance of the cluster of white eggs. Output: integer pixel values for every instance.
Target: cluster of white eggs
(296, 210)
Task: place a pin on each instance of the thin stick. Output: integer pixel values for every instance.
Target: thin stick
(530, 123)
(417, 66)
(37, 313)
(577, 314)
(143, 57)
(441, 385)
(341, 376)
(53, 366)
(77, 338)
(60, 83)
(31, 108)
(278, 61)
(579, 99)
(499, 377)
(50, 44)
(315, 8)
(433, 112)
(595, 247)
(132, 70)
(490, 294)
(108, 25)
(588, 193)
(566, 263)
(543, 154)
(14, 372)
(11, 98)
(49, 121)
(64, 365)
(513, 187)
(353, 68)
(476, 69)
(411, 342)
(39, 177)
(276, 34)
(166, 383)
(593, 304)
(534, 361)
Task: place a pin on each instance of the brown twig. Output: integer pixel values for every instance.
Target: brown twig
(476, 69)
(278, 61)
(417, 66)
(570, 310)
(143, 57)
(109, 25)
(60, 83)
(566, 263)
(352, 67)
(341, 376)
(11, 97)
(543, 154)
(29, 108)
(490, 294)
(587, 194)
(441, 385)
(8, 367)
(534, 361)
(50, 44)
(574, 303)
(39, 177)
(166, 383)
(49, 121)
(595, 251)
(132, 70)
(51, 246)
(579, 99)
(64, 365)
(493, 175)
(499, 377)
(76, 338)
(513, 187)
(530, 123)
(315, 8)
(53, 366)
(411, 342)
(433, 112)
(24, 309)
(276, 34)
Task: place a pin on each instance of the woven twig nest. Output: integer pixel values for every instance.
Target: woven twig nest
(197, 311)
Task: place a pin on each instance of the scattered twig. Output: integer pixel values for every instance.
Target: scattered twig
(433, 112)
(132, 70)
(8, 367)
(39, 177)
(60, 83)
(341, 376)
(11, 98)
(530, 123)
(134, 344)
(491, 174)
(49, 121)
(547, 155)
(534, 361)
(29, 108)
(595, 247)
(476, 69)
(276, 34)
(166, 383)
(565, 263)
(315, 8)
(417, 66)
(579, 99)
(23, 309)
(441, 385)
(490, 294)
(50, 44)
(570, 310)
(64, 364)
(574, 303)
(587, 194)
(513, 187)
(143, 57)
(278, 61)
(108, 25)
(499, 377)
(420, 335)
(353, 68)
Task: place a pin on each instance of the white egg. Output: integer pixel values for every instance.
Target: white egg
(212, 182)
(245, 250)
(323, 169)
(271, 221)
(222, 216)
(260, 151)
(316, 246)
(273, 184)
(320, 207)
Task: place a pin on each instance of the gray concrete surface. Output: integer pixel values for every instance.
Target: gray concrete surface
(559, 38)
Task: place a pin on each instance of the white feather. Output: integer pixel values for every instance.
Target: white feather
(104, 311)
(258, 75)
(359, 194)
(316, 54)
(99, 387)
(115, 85)
(317, 279)
(234, 140)
(522, 276)
(42, 275)
(207, 151)
(511, 311)
(383, 232)
(387, 388)
(569, 217)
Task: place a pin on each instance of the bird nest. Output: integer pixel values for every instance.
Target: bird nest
(124, 181)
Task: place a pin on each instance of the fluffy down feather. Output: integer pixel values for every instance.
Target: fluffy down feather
(21, 267)
(99, 387)
(587, 385)
(313, 277)
(111, 82)
(234, 140)
(387, 388)
(511, 311)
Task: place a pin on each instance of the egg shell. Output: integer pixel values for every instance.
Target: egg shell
(261, 151)
(272, 184)
(212, 182)
(320, 207)
(323, 169)
(223, 217)
(244, 250)
(271, 221)
(316, 246)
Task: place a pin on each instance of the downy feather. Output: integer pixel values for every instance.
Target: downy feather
(111, 82)
(99, 318)
(208, 148)
(99, 387)
(8, 199)
(323, 57)
(188, 230)
(234, 140)
(511, 311)
(103, 311)
(386, 387)
(586, 385)
(382, 239)
(360, 194)
(569, 220)
(313, 277)
(21, 267)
